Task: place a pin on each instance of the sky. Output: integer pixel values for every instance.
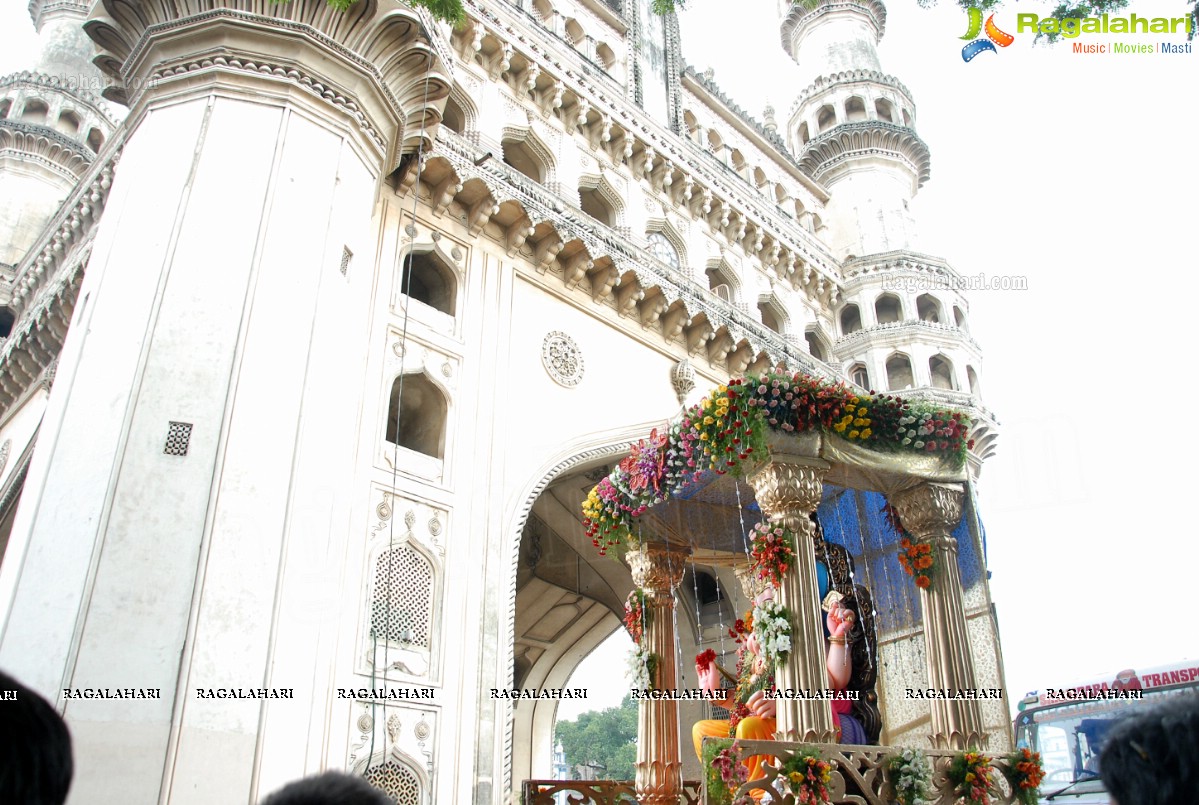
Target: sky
(1076, 172)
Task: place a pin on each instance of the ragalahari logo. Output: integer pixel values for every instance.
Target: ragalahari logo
(994, 35)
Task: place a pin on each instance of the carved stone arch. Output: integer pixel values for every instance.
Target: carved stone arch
(770, 303)
(530, 139)
(448, 271)
(470, 110)
(612, 196)
(720, 267)
(901, 372)
(389, 766)
(595, 448)
(819, 344)
(397, 563)
(662, 226)
(433, 436)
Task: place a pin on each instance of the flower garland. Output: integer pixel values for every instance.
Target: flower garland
(911, 776)
(730, 425)
(970, 775)
(771, 552)
(808, 775)
(641, 667)
(1025, 773)
(726, 772)
(916, 558)
(636, 616)
(772, 627)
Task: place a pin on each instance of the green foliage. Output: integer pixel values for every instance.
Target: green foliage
(604, 738)
(718, 790)
(450, 11)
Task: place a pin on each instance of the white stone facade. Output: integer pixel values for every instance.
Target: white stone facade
(401, 290)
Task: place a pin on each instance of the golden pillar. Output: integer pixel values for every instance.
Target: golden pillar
(657, 570)
(788, 489)
(929, 512)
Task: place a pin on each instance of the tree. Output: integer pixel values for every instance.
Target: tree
(606, 739)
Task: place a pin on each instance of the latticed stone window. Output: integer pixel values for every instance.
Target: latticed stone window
(402, 604)
(397, 781)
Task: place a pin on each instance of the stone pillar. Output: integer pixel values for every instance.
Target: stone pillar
(658, 569)
(788, 490)
(929, 512)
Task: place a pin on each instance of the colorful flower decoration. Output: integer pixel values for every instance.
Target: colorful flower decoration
(1025, 774)
(808, 775)
(771, 552)
(917, 558)
(636, 616)
(730, 425)
(970, 775)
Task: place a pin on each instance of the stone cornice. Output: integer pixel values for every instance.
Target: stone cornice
(42, 144)
(376, 62)
(852, 141)
(42, 10)
(801, 14)
(905, 332)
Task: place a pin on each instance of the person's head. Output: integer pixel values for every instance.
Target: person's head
(330, 788)
(35, 746)
(1152, 758)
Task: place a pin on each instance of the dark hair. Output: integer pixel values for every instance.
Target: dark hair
(36, 749)
(330, 788)
(1152, 758)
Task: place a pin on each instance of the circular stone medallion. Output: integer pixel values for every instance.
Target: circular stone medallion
(561, 357)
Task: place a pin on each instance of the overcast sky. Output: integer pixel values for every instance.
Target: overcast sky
(1077, 172)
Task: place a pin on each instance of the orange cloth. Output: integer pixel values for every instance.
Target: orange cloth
(751, 728)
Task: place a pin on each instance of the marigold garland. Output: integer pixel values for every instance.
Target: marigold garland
(1025, 773)
(970, 775)
(917, 558)
(808, 775)
(730, 425)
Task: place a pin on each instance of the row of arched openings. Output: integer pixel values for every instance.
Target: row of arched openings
(888, 309)
(36, 112)
(899, 374)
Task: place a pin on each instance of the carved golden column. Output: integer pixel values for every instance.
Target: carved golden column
(929, 512)
(788, 490)
(657, 570)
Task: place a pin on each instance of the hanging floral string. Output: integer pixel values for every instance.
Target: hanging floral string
(917, 558)
(726, 772)
(1024, 773)
(911, 774)
(771, 553)
(730, 425)
(808, 775)
(772, 627)
(636, 616)
(970, 775)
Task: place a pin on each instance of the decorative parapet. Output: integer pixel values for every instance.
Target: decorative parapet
(801, 15)
(848, 141)
(771, 136)
(865, 269)
(570, 223)
(56, 152)
(72, 86)
(911, 328)
(859, 775)
(827, 82)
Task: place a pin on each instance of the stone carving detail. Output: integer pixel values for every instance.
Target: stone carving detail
(561, 358)
(682, 377)
(4, 451)
(929, 510)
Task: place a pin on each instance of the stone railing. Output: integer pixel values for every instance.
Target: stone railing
(595, 792)
(857, 336)
(859, 774)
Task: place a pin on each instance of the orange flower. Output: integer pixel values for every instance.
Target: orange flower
(924, 547)
(905, 543)
(924, 563)
(923, 582)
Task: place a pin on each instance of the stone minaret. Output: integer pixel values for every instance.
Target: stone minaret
(853, 127)
(52, 123)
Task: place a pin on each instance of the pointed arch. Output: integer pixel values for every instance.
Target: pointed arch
(940, 372)
(417, 412)
(722, 275)
(603, 193)
(899, 372)
(523, 143)
(396, 774)
(773, 314)
(664, 229)
(818, 343)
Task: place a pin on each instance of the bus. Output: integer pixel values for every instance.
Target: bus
(1068, 725)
